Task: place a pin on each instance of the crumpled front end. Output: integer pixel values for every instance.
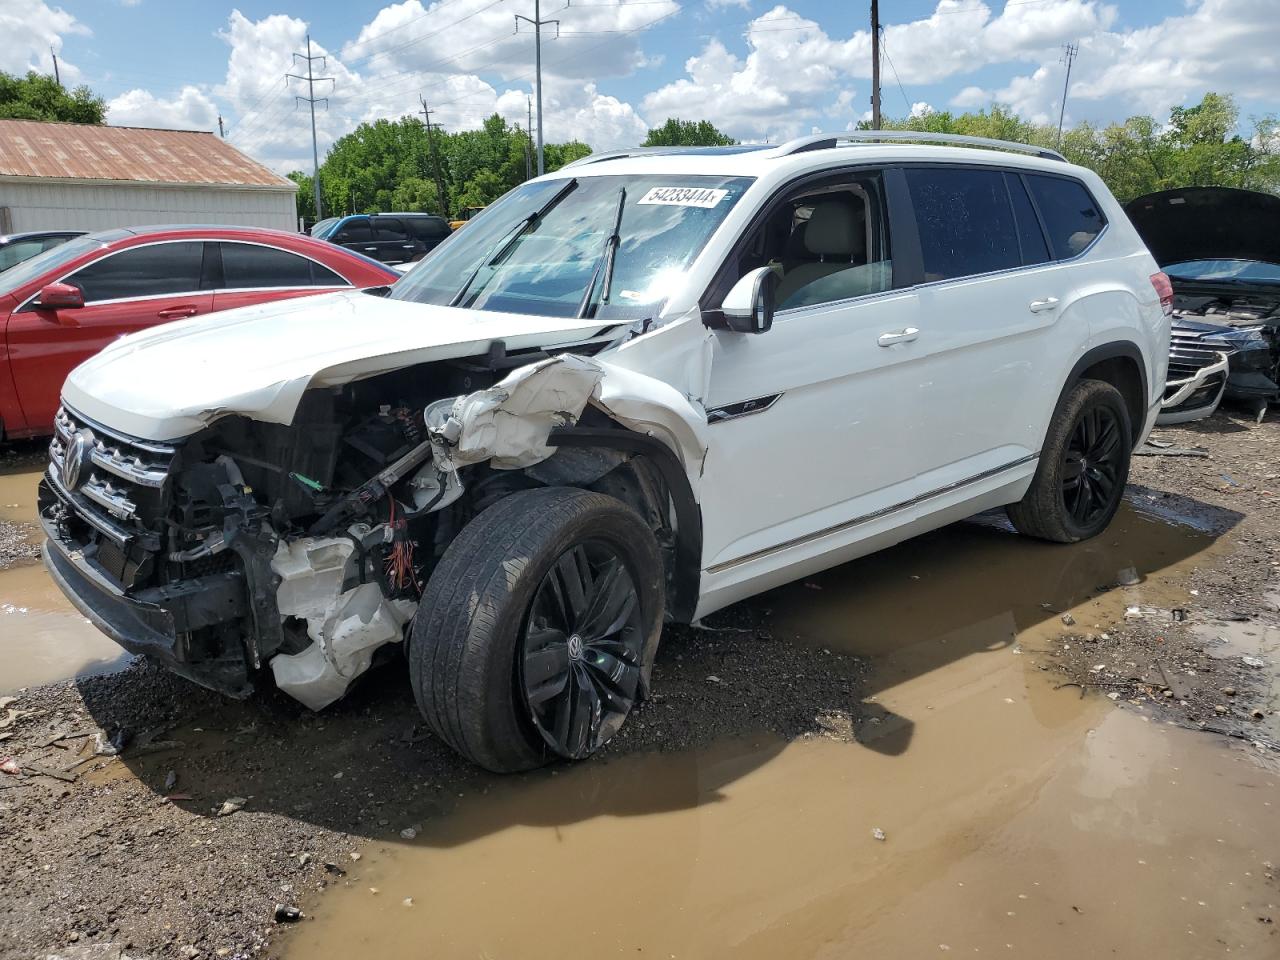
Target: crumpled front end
(303, 546)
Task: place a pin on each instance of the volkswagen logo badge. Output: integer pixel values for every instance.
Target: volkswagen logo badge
(76, 456)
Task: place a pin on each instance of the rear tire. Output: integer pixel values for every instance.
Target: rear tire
(534, 628)
(1084, 464)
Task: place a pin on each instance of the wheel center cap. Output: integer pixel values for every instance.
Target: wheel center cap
(575, 647)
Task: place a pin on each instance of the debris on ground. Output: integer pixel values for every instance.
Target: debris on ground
(231, 805)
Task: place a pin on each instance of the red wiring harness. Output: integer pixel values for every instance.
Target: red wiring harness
(399, 562)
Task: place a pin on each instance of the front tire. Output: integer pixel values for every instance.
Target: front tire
(1084, 465)
(535, 628)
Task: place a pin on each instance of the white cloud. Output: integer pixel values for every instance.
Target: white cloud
(30, 28)
(191, 109)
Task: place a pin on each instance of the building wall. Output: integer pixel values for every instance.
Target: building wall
(71, 205)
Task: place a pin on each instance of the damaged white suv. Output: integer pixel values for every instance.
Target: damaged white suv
(633, 391)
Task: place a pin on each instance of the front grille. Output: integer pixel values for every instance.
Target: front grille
(1188, 353)
(112, 490)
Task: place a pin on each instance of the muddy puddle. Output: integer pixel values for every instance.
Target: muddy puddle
(1018, 818)
(42, 637)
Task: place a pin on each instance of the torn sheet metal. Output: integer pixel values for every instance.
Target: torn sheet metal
(508, 423)
(345, 627)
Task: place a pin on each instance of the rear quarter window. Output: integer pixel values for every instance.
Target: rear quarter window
(1072, 218)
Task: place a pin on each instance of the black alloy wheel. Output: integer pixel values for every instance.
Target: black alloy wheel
(581, 649)
(1092, 465)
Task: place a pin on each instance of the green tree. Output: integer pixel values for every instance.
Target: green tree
(38, 97)
(687, 133)
(389, 165)
(306, 198)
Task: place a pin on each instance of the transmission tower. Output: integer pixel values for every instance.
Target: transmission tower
(312, 99)
(1069, 52)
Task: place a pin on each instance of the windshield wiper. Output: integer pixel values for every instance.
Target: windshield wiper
(504, 245)
(605, 260)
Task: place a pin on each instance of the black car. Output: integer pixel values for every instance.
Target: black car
(389, 237)
(1221, 249)
(16, 247)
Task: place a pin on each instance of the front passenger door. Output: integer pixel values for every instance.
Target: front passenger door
(126, 291)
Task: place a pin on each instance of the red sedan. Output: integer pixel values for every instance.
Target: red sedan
(66, 304)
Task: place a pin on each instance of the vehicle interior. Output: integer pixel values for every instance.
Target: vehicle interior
(826, 244)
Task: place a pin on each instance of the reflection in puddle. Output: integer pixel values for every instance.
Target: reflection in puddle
(1019, 819)
(18, 495)
(42, 637)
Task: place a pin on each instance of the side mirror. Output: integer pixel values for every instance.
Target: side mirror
(749, 306)
(60, 296)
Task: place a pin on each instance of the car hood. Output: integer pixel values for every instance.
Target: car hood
(1208, 223)
(173, 380)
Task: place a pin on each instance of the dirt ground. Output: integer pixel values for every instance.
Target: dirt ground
(152, 818)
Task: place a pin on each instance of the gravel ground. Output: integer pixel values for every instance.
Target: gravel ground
(131, 850)
(16, 540)
(1202, 669)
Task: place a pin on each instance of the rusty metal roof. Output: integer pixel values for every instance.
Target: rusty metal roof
(33, 148)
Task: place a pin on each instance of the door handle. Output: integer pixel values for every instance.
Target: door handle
(177, 313)
(370, 249)
(1040, 306)
(407, 246)
(905, 335)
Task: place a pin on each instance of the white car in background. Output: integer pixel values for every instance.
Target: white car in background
(636, 390)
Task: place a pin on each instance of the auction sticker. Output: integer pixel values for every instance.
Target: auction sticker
(684, 196)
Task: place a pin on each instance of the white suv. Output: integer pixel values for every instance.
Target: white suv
(632, 391)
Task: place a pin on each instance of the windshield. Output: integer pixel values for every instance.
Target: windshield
(1245, 271)
(321, 227)
(555, 264)
(28, 270)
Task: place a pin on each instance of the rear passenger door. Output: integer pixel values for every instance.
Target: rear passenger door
(392, 241)
(251, 273)
(993, 337)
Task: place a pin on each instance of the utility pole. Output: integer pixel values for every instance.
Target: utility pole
(1069, 52)
(435, 160)
(312, 99)
(538, 24)
(222, 132)
(57, 78)
(875, 64)
(528, 143)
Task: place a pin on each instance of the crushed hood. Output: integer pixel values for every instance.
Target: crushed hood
(1208, 223)
(173, 380)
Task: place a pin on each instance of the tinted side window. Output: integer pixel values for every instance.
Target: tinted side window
(427, 229)
(389, 228)
(18, 251)
(1030, 236)
(155, 270)
(247, 266)
(1071, 216)
(965, 221)
(353, 231)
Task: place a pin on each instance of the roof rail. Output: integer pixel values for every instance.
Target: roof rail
(828, 141)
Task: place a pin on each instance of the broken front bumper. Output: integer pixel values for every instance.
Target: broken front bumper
(1196, 396)
(156, 622)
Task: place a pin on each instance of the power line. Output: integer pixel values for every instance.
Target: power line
(435, 160)
(875, 65)
(885, 47)
(1069, 52)
(312, 100)
(538, 24)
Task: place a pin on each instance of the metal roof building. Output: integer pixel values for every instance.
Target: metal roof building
(76, 176)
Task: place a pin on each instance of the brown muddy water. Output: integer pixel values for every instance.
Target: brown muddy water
(42, 637)
(1017, 819)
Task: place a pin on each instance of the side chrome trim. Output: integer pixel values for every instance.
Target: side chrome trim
(868, 517)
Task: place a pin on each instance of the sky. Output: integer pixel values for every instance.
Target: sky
(612, 68)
